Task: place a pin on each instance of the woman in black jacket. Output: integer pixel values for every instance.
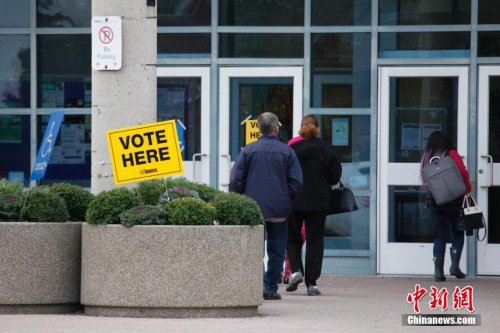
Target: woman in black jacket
(321, 168)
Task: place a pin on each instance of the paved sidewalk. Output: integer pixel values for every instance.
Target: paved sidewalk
(347, 304)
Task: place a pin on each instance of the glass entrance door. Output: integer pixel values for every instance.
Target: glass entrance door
(245, 93)
(488, 178)
(413, 102)
(183, 94)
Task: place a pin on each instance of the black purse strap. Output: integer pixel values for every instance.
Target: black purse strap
(485, 231)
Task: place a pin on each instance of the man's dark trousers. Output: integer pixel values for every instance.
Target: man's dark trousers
(276, 245)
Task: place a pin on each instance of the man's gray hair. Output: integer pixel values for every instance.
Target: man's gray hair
(267, 122)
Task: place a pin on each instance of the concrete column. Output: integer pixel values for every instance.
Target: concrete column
(126, 97)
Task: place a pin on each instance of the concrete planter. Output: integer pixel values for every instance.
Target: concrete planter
(172, 271)
(40, 267)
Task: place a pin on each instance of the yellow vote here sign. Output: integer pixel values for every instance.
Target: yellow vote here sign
(145, 152)
(252, 132)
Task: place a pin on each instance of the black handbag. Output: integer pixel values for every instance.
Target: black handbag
(470, 217)
(342, 200)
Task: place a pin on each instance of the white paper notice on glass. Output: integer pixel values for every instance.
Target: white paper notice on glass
(410, 136)
(427, 130)
(340, 131)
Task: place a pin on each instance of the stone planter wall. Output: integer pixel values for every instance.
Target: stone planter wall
(172, 271)
(40, 267)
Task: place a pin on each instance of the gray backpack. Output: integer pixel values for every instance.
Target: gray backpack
(444, 180)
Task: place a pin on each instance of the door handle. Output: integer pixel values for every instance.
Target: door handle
(229, 165)
(194, 166)
(490, 159)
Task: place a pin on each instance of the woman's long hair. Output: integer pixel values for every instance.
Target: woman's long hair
(437, 144)
(309, 128)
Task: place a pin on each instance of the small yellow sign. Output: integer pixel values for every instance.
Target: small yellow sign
(252, 132)
(145, 152)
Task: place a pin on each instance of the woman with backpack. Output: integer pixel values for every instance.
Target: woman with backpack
(446, 215)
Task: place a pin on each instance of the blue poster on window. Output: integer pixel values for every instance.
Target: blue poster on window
(49, 139)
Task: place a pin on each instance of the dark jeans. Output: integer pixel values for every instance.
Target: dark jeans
(276, 245)
(315, 230)
(444, 218)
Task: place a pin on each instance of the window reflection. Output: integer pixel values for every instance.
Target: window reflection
(189, 45)
(488, 12)
(341, 70)
(15, 144)
(63, 13)
(349, 231)
(428, 44)
(15, 13)
(255, 45)
(341, 12)
(64, 71)
(411, 12)
(184, 13)
(409, 220)
(261, 13)
(418, 107)
(350, 135)
(70, 157)
(250, 98)
(14, 71)
(180, 99)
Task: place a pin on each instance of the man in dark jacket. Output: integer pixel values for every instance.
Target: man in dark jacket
(269, 172)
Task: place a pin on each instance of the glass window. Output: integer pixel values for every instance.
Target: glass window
(341, 70)
(15, 14)
(252, 96)
(180, 99)
(15, 144)
(70, 158)
(349, 231)
(493, 211)
(255, 45)
(341, 12)
(488, 44)
(424, 12)
(187, 45)
(424, 44)
(488, 12)
(409, 220)
(64, 71)
(63, 13)
(418, 107)
(261, 13)
(14, 71)
(350, 135)
(184, 13)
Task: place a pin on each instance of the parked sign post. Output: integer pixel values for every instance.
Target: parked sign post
(145, 152)
(47, 145)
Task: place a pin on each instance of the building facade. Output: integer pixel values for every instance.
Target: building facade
(381, 75)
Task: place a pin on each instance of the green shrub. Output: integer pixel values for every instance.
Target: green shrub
(176, 193)
(189, 211)
(149, 191)
(181, 182)
(144, 215)
(40, 205)
(234, 208)
(77, 199)
(106, 206)
(10, 207)
(206, 193)
(8, 187)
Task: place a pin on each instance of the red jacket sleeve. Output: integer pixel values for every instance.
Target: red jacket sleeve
(463, 171)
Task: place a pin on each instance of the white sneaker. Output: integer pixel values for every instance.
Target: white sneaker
(313, 291)
(295, 280)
